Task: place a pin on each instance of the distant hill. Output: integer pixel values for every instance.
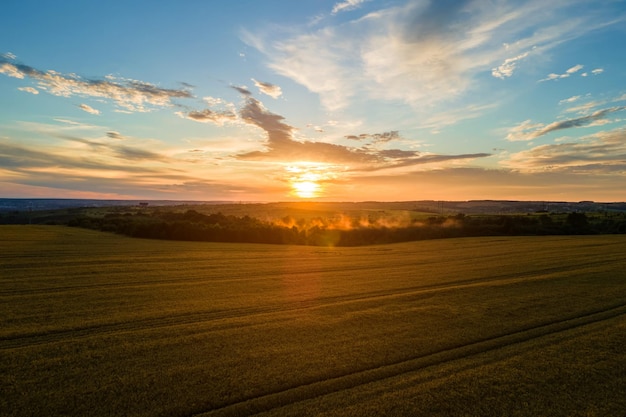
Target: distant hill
(427, 206)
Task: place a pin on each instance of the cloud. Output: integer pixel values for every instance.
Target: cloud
(376, 137)
(420, 53)
(282, 147)
(601, 153)
(570, 99)
(124, 152)
(11, 70)
(596, 71)
(88, 109)
(78, 175)
(242, 90)
(209, 116)
(21, 158)
(280, 143)
(506, 69)
(130, 95)
(115, 135)
(528, 131)
(271, 90)
(566, 74)
(347, 5)
(29, 90)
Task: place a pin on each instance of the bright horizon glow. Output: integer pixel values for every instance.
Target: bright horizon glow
(306, 189)
(384, 100)
(307, 179)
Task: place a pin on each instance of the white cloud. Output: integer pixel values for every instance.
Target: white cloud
(597, 71)
(346, 5)
(506, 69)
(11, 70)
(569, 73)
(523, 131)
(29, 90)
(584, 108)
(420, 53)
(574, 69)
(130, 95)
(566, 74)
(570, 99)
(89, 109)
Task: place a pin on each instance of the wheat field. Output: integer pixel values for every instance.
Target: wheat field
(98, 324)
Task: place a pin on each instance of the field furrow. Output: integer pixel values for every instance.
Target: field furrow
(273, 400)
(408, 294)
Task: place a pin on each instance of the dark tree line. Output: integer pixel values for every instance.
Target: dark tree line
(194, 226)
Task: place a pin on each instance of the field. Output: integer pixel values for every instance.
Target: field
(99, 324)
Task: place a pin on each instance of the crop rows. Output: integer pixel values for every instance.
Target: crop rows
(208, 329)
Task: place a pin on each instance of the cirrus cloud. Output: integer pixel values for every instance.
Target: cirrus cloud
(601, 153)
(130, 95)
(529, 131)
(420, 53)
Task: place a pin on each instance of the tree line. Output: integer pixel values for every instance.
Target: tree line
(194, 226)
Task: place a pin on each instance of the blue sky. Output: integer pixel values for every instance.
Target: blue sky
(333, 100)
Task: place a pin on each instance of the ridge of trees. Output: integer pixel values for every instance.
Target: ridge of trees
(217, 227)
(194, 226)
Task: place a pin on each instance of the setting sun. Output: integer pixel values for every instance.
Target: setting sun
(307, 178)
(305, 189)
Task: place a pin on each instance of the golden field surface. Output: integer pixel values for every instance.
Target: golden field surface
(98, 324)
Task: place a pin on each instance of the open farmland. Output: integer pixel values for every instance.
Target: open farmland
(99, 324)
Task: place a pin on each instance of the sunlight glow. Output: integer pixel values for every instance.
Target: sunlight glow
(305, 189)
(307, 178)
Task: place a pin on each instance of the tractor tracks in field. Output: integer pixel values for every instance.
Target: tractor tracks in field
(337, 383)
(237, 317)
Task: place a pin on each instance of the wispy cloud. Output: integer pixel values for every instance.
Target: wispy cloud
(347, 5)
(271, 90)
(130, 95)
(117, 150)
(376, 137)
(596, 71)
(209, 116)
(30, 90)
(529, 131)
(570, 100)
(89, 109)
(566, 74)
(506, 69)
(420, 53)
(601, 153)
(115, 135)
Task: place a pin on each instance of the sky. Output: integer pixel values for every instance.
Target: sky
(323, 100)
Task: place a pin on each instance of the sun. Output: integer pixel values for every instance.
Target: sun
(307, 178)
(305, 189)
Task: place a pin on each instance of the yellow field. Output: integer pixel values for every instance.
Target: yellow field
(98, 324)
